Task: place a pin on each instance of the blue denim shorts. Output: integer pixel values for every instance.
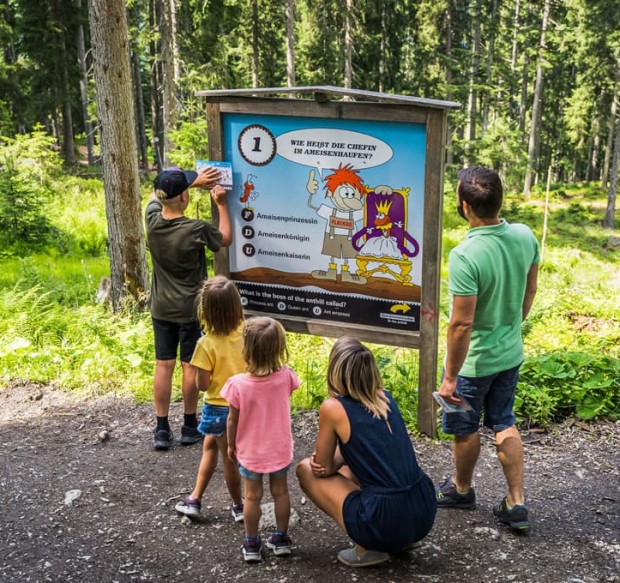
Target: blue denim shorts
(491, 397)
(213, 420)
(250, 475)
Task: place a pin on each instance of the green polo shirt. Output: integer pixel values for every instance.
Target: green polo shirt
(492, 263)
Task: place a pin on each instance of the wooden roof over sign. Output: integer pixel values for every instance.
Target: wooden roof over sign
(324, 93)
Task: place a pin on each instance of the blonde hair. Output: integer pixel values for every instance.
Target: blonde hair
(219, 306)
(352, 372)
(264, 346)
(172, 203)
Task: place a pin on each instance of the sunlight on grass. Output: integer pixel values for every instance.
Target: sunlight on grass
(51, 330)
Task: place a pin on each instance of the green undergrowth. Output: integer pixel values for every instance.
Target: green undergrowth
(52, 330)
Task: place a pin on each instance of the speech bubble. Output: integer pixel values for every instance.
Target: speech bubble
(329, 147)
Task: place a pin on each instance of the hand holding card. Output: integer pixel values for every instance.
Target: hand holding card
(451, 408)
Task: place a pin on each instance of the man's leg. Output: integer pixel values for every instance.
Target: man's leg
(466, 450)
(510, 454)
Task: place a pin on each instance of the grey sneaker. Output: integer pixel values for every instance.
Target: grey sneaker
(237, 511)
(350, 558)
(190, 435)
(448, 497)
(280, 544)
(516, 517)
(252, 550)
(190, 507)
(162, 439)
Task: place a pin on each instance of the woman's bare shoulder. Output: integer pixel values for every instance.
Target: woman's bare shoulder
(331, 407)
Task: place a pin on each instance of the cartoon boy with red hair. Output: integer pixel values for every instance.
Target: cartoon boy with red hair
(345, 189)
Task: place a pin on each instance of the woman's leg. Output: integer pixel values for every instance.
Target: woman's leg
(208, 463)
(251, 508)
(282, 505)
(329, 493)
(231, 471)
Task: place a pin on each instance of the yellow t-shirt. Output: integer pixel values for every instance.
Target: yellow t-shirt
(222, 356)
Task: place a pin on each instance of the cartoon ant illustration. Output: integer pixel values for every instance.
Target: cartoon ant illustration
(249, 189)
(384, 245)
(382, 219)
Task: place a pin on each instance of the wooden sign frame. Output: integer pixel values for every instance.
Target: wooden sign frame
(333, 103)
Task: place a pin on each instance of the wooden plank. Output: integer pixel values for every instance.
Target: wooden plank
(372, 334)
(325, 92)
(331, 110)
(214, 133)
(431, 264)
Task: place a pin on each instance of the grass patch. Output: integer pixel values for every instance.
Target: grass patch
(51, 329)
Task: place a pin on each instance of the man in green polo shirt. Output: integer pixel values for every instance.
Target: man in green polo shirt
(493, 276)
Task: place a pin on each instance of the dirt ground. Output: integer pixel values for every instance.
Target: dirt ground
(121, 525)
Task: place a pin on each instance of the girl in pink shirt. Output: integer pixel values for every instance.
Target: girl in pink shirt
(260, 439)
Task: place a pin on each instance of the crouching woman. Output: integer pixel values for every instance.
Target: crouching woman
(364, 472)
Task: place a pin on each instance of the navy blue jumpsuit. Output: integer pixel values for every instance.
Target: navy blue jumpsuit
(396, 505)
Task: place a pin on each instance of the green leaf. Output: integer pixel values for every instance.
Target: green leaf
(588, 409)
(580, 358)
(554, 369)
(597, 381)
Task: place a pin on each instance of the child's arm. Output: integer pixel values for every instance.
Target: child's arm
(203, 379)
(231, 432)
(218, 194)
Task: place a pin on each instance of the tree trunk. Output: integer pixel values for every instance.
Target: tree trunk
(524, 78)
(169, 88)
(472, 101)
(449, 152)
(139, 109)
(610, 132)
(109, 37)
(290, 42)
(348, 46)
(255, 56)
(489, 68)
(88, 126)
(595, 144)
(154, 51)
(609, 220)
(67, 117)
(533, 142)
(176, 60)
(382, 50)
(515, 38)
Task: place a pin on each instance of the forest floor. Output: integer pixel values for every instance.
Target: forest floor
(122, 526)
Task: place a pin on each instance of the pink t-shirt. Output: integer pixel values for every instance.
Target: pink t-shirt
(264, 436)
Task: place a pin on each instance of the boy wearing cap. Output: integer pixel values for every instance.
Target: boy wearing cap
(177, 245)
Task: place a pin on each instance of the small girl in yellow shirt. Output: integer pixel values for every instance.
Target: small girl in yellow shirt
(217, 357)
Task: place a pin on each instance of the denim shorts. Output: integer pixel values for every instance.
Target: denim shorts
(491, 397)
(250, 475)
(213, 420)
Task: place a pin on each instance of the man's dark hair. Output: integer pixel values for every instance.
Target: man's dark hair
(482, 189)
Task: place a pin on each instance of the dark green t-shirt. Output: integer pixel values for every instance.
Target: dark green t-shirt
(177, 249)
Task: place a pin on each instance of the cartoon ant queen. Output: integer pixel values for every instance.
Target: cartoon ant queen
(385, 247)
(346, 191)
